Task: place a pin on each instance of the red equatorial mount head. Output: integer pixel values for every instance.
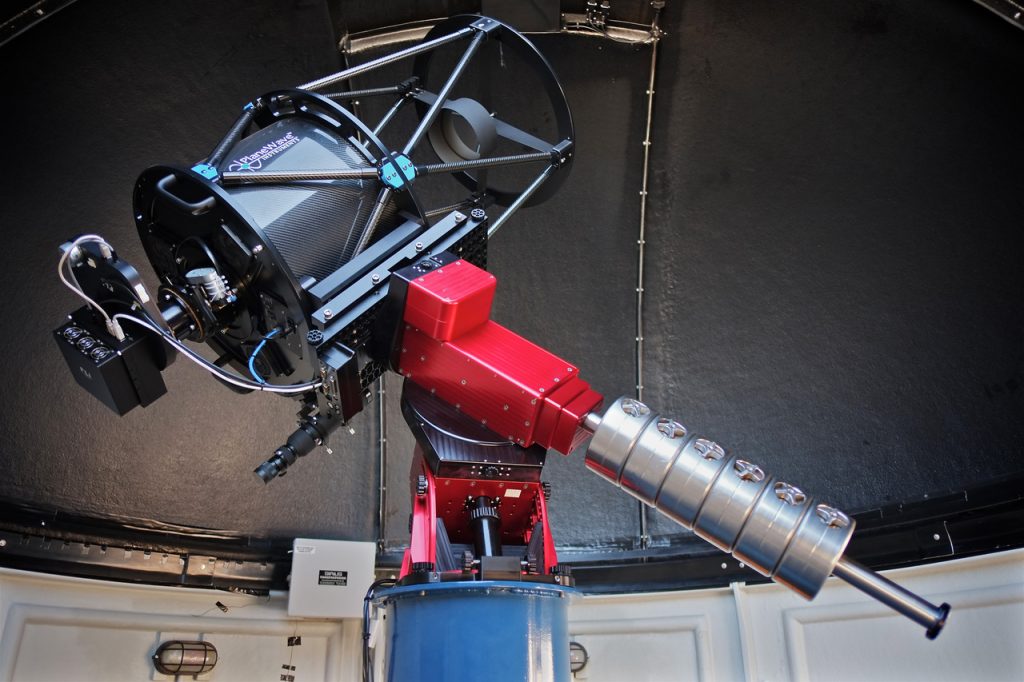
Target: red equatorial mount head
(485, 405)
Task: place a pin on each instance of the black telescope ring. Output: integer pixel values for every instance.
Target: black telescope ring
(525, 50)
(155, 234)
(218, 207)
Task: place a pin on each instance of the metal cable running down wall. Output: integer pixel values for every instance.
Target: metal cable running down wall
(382, 461)
(645, 538)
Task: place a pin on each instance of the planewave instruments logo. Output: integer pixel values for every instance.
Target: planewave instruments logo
(255, 161)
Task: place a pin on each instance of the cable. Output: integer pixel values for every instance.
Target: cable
(214, 369)
(252, 358)
(112, 326)
(604, 33)
(367, 663)
(115, 329)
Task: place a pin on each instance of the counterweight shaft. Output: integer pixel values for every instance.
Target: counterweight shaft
(769, 524)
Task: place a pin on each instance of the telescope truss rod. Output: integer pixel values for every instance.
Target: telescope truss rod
(442, 95)
(368, 92)
(371, 222)
(473, 164)
(233, 136)
(520, 200)
(275, 177)
(395, 108)
(374, 64)
(445, 210)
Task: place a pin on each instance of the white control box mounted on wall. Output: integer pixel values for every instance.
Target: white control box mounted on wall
(330, 578)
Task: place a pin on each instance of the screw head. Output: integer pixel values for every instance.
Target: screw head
(832, 517)
(708, 449)
(328, 313)
(748, 471)
(789, 494)
(634, 408)
(671, 428)
(419, 246)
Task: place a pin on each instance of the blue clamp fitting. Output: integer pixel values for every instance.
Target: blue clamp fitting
(206, 170)
(397, 171)
(248, 106)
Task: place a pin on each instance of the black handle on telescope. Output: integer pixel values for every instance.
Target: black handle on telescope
(164, 188)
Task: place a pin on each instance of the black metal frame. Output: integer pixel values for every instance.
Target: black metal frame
(525, 50)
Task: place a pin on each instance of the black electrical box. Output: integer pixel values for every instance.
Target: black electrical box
(122, 374)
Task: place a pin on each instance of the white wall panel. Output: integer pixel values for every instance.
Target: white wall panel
(654, 637)
(844, 635)
(58, 628)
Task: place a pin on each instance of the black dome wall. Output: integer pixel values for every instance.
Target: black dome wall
(834, 256)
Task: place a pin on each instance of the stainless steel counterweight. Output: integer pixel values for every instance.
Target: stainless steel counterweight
(769, 524)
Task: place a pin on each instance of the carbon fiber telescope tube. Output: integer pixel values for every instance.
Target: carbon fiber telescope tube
(770, 525)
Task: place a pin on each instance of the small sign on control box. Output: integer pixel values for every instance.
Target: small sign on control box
(339, 578)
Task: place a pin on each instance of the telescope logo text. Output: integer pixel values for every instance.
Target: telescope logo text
(255, 160)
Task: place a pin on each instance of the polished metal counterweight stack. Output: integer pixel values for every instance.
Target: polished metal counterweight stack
(769, 524)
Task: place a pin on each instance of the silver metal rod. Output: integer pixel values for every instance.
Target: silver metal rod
(642, 239)
(520, 200)
(442, 95)
(368, 92)
(932, 617)
(395, 108)
(371, 222)
(641, 243)
(445, 210)
(382, 462)
(275, 177)
(389, 59)
(490, 162)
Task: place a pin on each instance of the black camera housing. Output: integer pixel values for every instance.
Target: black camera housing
(121, 374)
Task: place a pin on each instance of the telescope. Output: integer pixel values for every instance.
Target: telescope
(310, 253)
